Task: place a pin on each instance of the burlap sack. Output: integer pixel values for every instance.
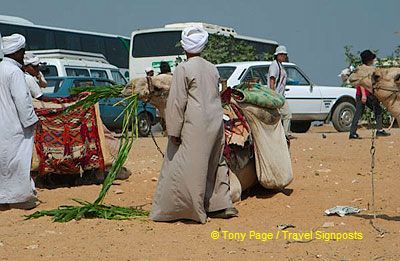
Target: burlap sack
(272, 159)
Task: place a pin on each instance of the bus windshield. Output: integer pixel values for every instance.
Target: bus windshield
(157, 44)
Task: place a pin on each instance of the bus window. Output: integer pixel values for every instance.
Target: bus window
(150, 47)
(39, 39)
(6, 29)
(98, 74)
(114, 47)
(77, 72)
(157, 44)
(118, 78)
(261, 48)
(116, 52)
(67, 41)
(93, 44)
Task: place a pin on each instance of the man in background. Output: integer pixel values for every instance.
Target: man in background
(165, 68)
(277, 81)
(34, 78)
(364, 97)
(149, 71)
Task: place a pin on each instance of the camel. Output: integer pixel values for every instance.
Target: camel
(384, 83)
(155, 90)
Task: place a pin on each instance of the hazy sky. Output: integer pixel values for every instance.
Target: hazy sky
(314, 31)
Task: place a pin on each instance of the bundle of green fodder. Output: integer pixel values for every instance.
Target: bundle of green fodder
(96, 209)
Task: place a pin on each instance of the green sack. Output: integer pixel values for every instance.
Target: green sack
(259, 95)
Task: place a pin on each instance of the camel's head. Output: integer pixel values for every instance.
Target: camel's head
(386, 87)
(159, 86)
(386, 78)
(138, 85)
(362, 76)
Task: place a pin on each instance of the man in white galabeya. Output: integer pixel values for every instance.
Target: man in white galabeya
(277, 81)
(33, 77)
(194, 182)
(18, 119)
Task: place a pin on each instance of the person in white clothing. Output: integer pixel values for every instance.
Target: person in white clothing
(18, 120)
(149, 71)
(34, 78)
(277, 81)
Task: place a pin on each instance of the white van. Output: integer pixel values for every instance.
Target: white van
(74, 63)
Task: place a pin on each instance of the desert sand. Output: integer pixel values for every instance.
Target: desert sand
(329, 170)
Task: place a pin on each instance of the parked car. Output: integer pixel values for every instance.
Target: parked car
(307, 101)
(61, 86)
(75, 63)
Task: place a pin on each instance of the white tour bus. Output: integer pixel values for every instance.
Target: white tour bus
(149, 47)
(115, 48)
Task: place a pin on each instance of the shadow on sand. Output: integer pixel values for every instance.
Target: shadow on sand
(380, 216)
(259, 191)
(53, 181)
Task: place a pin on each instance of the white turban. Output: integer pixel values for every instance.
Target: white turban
(11, 44)
(194, 39)
(30, 58)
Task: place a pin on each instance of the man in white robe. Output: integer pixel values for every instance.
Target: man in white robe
(194, 180)
(17, 127)
(33, 77)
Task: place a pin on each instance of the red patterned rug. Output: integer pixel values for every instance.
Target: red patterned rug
(68, 143)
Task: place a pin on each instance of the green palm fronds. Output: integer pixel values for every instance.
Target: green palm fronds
(89, 210)
(96, 94)
(96, 209)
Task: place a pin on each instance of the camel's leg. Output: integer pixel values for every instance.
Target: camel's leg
(235, 187)
(242, 179)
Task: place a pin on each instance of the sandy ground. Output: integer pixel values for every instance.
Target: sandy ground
(328, 172)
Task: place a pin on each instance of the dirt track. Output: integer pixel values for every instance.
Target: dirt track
(328, 172)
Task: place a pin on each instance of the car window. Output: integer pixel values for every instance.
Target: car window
(259, 73)
(226, 71)
(248, 76)
(99, 74)
(294, 77)
(48, 70)
(81, 83)
(52, 86)
(77, 72)
(118, 78)
(104, 83)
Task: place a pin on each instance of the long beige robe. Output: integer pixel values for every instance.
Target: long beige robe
(194, 176)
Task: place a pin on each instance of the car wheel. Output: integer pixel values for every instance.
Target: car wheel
(343, 116)
(144, 124)
(300, 126)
